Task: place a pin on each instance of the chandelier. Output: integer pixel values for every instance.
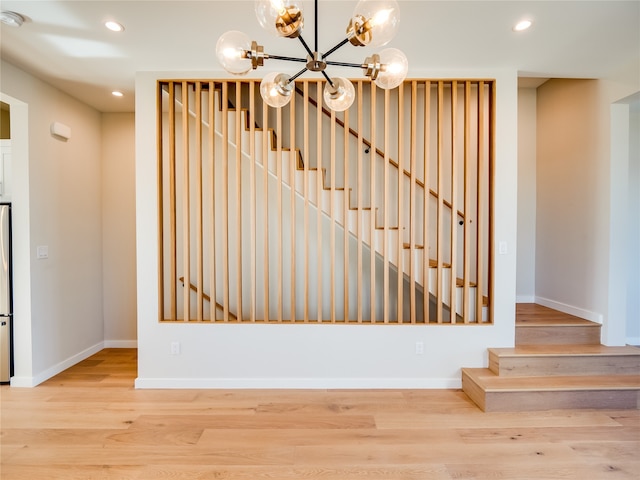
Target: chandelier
(373, 23)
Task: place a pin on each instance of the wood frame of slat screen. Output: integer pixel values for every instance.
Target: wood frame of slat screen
(377, 215)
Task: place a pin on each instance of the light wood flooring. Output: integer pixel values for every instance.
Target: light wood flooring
(90, 423)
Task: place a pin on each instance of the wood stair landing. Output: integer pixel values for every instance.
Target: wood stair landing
(549, 372)
(538, 325)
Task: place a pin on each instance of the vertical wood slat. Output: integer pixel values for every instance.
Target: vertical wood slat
(491, 193)
(173, 225)
(238, 140)
(265, 167)
(186, 200)
(413, 216)
(293, 167)
(319, 190)
(307, 156)
(279, 212)
(252, 199)
(490, 198)
(332, 230)
(479, 207)
(360, 183)
(426, 261)
(212, 187)
(372, 200)
(199, 230)
(345, 211)
(400, 204)
(453, 288)
(467, 203)
(225, 200)
(387, 207)
(160, 199)
(439, 293)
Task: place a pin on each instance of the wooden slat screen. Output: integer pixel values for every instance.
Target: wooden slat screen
(377, 215)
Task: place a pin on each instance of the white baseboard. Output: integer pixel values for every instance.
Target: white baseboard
(56, 369)
(120, 344)
(298, 383)
(525, 299)
(571, 310)
(633, 341)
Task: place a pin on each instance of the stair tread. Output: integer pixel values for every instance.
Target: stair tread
(564, 322)
(565, 350)
(490, 382)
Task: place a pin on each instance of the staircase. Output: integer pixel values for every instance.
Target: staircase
(558, 362)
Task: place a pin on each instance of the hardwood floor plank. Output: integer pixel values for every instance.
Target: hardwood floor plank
(84, 472)
(549, 471)
(307, 472)
(555, 435)
(301, 437)
(146, 455)
(535, 453)
(256, 422)
(543, 419)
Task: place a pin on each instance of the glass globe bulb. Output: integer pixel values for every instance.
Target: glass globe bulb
(393, 68)
(231, 50)
(282, 18)
(374, 22)
(341, 95)
(276, 89)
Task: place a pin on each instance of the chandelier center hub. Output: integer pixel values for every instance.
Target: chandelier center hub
(316, 63)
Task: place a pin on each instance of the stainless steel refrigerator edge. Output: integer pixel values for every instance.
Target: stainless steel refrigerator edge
(5, 293)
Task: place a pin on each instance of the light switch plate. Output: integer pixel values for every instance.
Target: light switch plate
(42, 251)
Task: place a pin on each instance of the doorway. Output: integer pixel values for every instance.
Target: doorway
(624, 233)
(22, 338)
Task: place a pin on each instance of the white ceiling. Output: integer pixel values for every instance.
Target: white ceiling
(66, 44)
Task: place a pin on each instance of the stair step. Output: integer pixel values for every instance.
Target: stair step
(581, 332)
(562, 360)
(493, 393)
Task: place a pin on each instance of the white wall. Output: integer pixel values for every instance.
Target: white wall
(633, 291)
(63, 212)
(317, 355)
(573, 198)
(119, 229)
(526, 257)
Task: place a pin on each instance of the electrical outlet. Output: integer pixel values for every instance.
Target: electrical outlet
(419, 348)
(175, 348)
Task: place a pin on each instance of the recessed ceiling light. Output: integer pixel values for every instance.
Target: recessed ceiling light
(522, 25)
(117, 93)
(114, 26)
(11, 19)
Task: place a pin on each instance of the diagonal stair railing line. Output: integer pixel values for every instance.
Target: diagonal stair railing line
(327, 113)
(207, 298)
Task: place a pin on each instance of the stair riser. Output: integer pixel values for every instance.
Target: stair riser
(563, 365)
(558, 335)
(550, 400)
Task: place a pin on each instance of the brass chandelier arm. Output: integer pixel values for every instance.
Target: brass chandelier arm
(304, 44)
(336, 47)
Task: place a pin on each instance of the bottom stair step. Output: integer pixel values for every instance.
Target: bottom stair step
(493, 393)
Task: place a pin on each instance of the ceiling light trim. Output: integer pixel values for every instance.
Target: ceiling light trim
(11, 19)
(522, 25)
(114, 26)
